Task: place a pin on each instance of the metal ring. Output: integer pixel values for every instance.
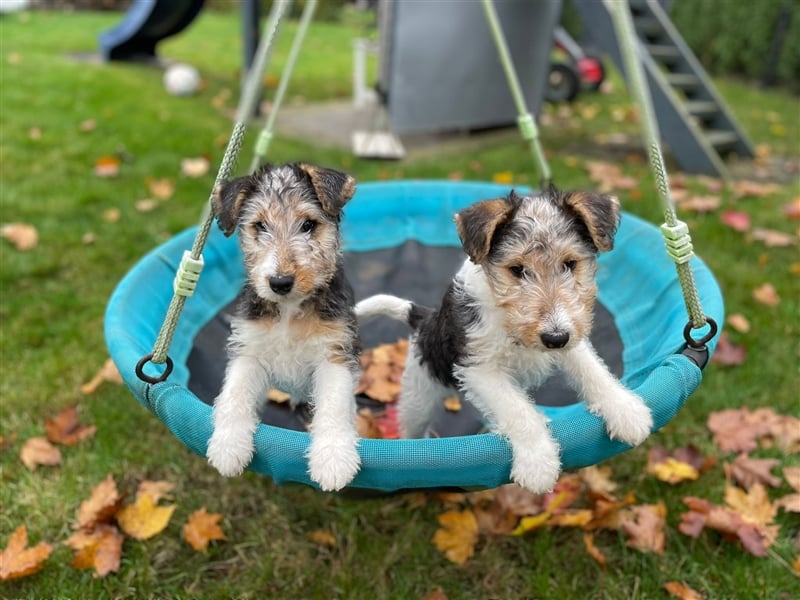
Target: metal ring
(147, 378)
(687, 334)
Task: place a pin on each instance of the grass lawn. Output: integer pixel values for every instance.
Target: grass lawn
(52, 300)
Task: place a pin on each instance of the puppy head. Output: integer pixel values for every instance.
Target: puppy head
(288, 222)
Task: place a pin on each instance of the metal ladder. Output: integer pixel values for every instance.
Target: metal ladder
(693, 118)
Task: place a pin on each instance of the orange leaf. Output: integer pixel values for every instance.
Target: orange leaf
(753, 504)
(452, 404)
(594, 551)
(143, 519)
(38, 451)
(457, 536)
(102, 504)
(65, 429)
(645, 527)
(201, 528)
(322, 537)
(107, 372)
(739, 322)
(99, 549)
(23, 236)
(766, 294)
(681, 591)
(107, 166)
(17, 560)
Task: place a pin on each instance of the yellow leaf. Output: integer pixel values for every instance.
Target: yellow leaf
(503, 177)
(527, 524)
(452, 404)
(673, 471)
(571, 518)
(458, 535)
(143, 519)
(752, 505)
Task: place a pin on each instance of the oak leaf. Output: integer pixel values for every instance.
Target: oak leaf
(102, 504)
(144, 519)
(18, 560)
(65, 428)
(22, 235)
(457, 536)
(39, 451)
(201, 528)
(644, 526)
(681, 591)
(99, 548)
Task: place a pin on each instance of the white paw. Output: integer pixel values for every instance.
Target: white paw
(630, 420)
(230, 452)
(537, 465)
(333, 461)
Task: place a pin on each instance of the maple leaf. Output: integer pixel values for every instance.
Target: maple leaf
(107, 372)
(748, 471)
(144, 519)
(22, 235)
(101, 506)
(672, 471)
(608, 512)
(752, 504)
(17, 560)
(753, 537)
(201, 528)
(681, 591)
(65, 428)
(38, 451)
(727, 353)
(99, 548)
(594, 551)
(735, 430)
(735, 219)
(644, 526)
(766, 294)
(457, 536)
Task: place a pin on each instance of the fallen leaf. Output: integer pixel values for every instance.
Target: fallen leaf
(145, 205)
(739, 322)
(18, 560)
(144, 519)
(792, 476)
(195, 167)
(88, 125)
(457, 536)
(772, 238)
(681, 591)
(608, 512)
(382, 369)
(155, 489)
(35, 134)
(594, 552)
(22, 235)
(673, 471)
(112, 215)
(748, 471)
(108, 372)
(792, 209)
(754, 188)
(101, 506)
(87, 238)
(700, 204)
(752, 504)
(644, 526)
(789, 503)
(598, 479)
(322, 537)
(712, 184)
(201, 528)
(571, 517)
(727, 353)
(65, 428)
(737, 429)
(38, 451)
(99, 548)
(107, 166)
(735, 219)
(796, 564)
(6, 441)
(452, 404)
(162, 189)
(766, 294)
(505, 177)
(527, 524)
(437, 594)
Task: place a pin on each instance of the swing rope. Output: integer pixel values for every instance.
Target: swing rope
(191, 265)
(676, 233)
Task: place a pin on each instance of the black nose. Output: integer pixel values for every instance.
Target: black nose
(281, 284)
(554, 340)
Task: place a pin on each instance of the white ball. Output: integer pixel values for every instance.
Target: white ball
(181, 79)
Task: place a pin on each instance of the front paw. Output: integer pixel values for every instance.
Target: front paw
(536, 466)
(230, 452)
(333, 461)
(630, 420)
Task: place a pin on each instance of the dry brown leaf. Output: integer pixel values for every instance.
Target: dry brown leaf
(766, 294)
(739, 322)
(155, 489)
(107, 166)
(99, 548)
(112, 215)
(598, 479)
(753, 504)
(35, 134)
(162, 189)
(22, 235)
(382, 369)
(144, 519)
(727, 353)
(754, 188)
(195, 167)
(594, 552)
(6, 441)
(65, 428)
(452, 404)
(101, 506)
(201, 528)
(789, 503)
(145, 205)
(88, 125)
(792, 209)
(437, 594)
(608, 512)
(39, 451)
(681, 591)
(738, 429)
(18, 560)
(748, 471)
(700, 204)
(792, 476)
(322, 537)
(108, 372)
(457, 536)
(644, 526)
(772, 238)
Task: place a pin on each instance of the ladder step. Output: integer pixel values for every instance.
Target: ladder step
(683, 81)
(647, 26)
(721, 139)
(701, 108)
(666, 53)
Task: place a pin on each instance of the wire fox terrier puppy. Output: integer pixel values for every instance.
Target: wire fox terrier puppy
(295, 328)
(521, 304)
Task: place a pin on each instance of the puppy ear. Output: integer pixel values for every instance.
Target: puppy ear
(333, 188)
(600, 213)
(229, 197)
(478, 223)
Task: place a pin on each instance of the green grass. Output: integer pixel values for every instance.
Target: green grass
(53, 298)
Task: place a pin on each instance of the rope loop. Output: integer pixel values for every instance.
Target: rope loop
(700, 343)
(148, 378)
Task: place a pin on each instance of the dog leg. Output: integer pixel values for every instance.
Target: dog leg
(536, 462)
(333, 458)
(231, 447)
(420, 396)
(627, 417)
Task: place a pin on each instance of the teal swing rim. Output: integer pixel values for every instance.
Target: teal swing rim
(385, 214)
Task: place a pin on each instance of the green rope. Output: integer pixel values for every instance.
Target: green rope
(525, 121)
(676, 233)
(265, 137)
(247, 104)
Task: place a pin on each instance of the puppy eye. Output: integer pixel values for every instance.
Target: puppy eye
(260, 226)
(308, 226)
(517, 271)
(569, 265)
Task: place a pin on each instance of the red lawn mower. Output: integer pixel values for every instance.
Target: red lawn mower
(578, 71)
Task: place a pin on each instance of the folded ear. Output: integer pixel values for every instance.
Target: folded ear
(600, 213)
(333, 188)
(478, 223)
(229, 197)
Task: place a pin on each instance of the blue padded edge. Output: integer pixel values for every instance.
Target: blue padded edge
(637, 284)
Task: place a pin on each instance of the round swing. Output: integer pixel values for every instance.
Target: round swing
(399, 238)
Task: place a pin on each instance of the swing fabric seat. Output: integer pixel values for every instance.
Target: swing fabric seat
(400, 238)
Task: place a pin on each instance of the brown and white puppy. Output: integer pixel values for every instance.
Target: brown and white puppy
(295, 328)
(520, 306)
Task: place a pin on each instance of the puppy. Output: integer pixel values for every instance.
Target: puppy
(520, 306)
(295, 328)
